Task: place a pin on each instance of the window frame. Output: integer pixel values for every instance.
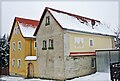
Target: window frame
(13, 46)
(93, 62)
(19, 63)
(51, 44)
(91, 41)
(19, 45)
(47, 22)
(44, 45)
(13, 62)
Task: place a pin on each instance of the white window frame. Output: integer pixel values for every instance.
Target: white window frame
(16, 30)
(19, 63)
(35, 45)
(90, 42)
(13, 62)
(19, 42)
(13, 46)
(93, 62)
(44, 43)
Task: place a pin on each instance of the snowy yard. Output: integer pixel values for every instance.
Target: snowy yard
(93, 77)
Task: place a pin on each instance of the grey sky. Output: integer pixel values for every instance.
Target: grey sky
(105, 11)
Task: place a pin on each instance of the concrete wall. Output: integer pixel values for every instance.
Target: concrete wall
(78, 66)
(50, 63)
(75, 66)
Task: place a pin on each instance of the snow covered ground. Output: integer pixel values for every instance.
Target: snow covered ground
(98, 76)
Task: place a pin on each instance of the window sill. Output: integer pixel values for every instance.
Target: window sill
(44, 48)
(50, 48)
(47, 24)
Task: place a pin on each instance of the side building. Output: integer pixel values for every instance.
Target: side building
(66, 44)
(23, 48)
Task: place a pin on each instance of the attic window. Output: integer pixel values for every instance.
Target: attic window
(47, 21)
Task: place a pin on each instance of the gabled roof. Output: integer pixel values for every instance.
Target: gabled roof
(72, 22)
(27, 27)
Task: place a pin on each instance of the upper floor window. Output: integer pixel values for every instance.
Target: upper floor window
(44, 45)
(51, 44)
(78, 42)
(19, 45)
(35, 44)
(13, 62)
(13, 46)
(47, 21)
(91, 42)
(19, 63)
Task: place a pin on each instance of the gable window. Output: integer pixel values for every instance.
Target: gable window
(91, 42)
(51, 44)
(19, 63)
(13, 62)
(19, 45)
(35, 44)
(93, 62)
(16, 30)
(13, 46)
(47, 21)
(44, 45)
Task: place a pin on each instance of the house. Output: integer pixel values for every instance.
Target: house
(23, 48)
(66, 44)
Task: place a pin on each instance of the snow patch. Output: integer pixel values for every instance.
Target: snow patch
(71, 22)
(27, 30)
(31, 58)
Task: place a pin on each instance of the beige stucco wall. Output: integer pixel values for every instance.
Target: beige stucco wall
(50, 63)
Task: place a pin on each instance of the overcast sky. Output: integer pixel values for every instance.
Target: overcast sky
(105, 11)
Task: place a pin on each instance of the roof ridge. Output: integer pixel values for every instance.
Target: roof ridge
(77, 16)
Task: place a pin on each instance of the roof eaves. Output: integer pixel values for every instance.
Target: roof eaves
(88, 32)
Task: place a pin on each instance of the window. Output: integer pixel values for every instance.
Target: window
(91, 42)
(78, 42)
(93, 62)
(13, 46)
(47, 21)
(13, 62)
(19, 63)
(35, 44)
(44, 45)
(50, 44)
(19, 45)
(16, 30)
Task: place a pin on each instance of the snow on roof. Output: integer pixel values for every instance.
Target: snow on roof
(31, 58)
(27, 26)
(74, 22)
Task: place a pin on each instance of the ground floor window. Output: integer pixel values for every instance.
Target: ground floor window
(93, 62)
(13, 62)
(19, 63)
